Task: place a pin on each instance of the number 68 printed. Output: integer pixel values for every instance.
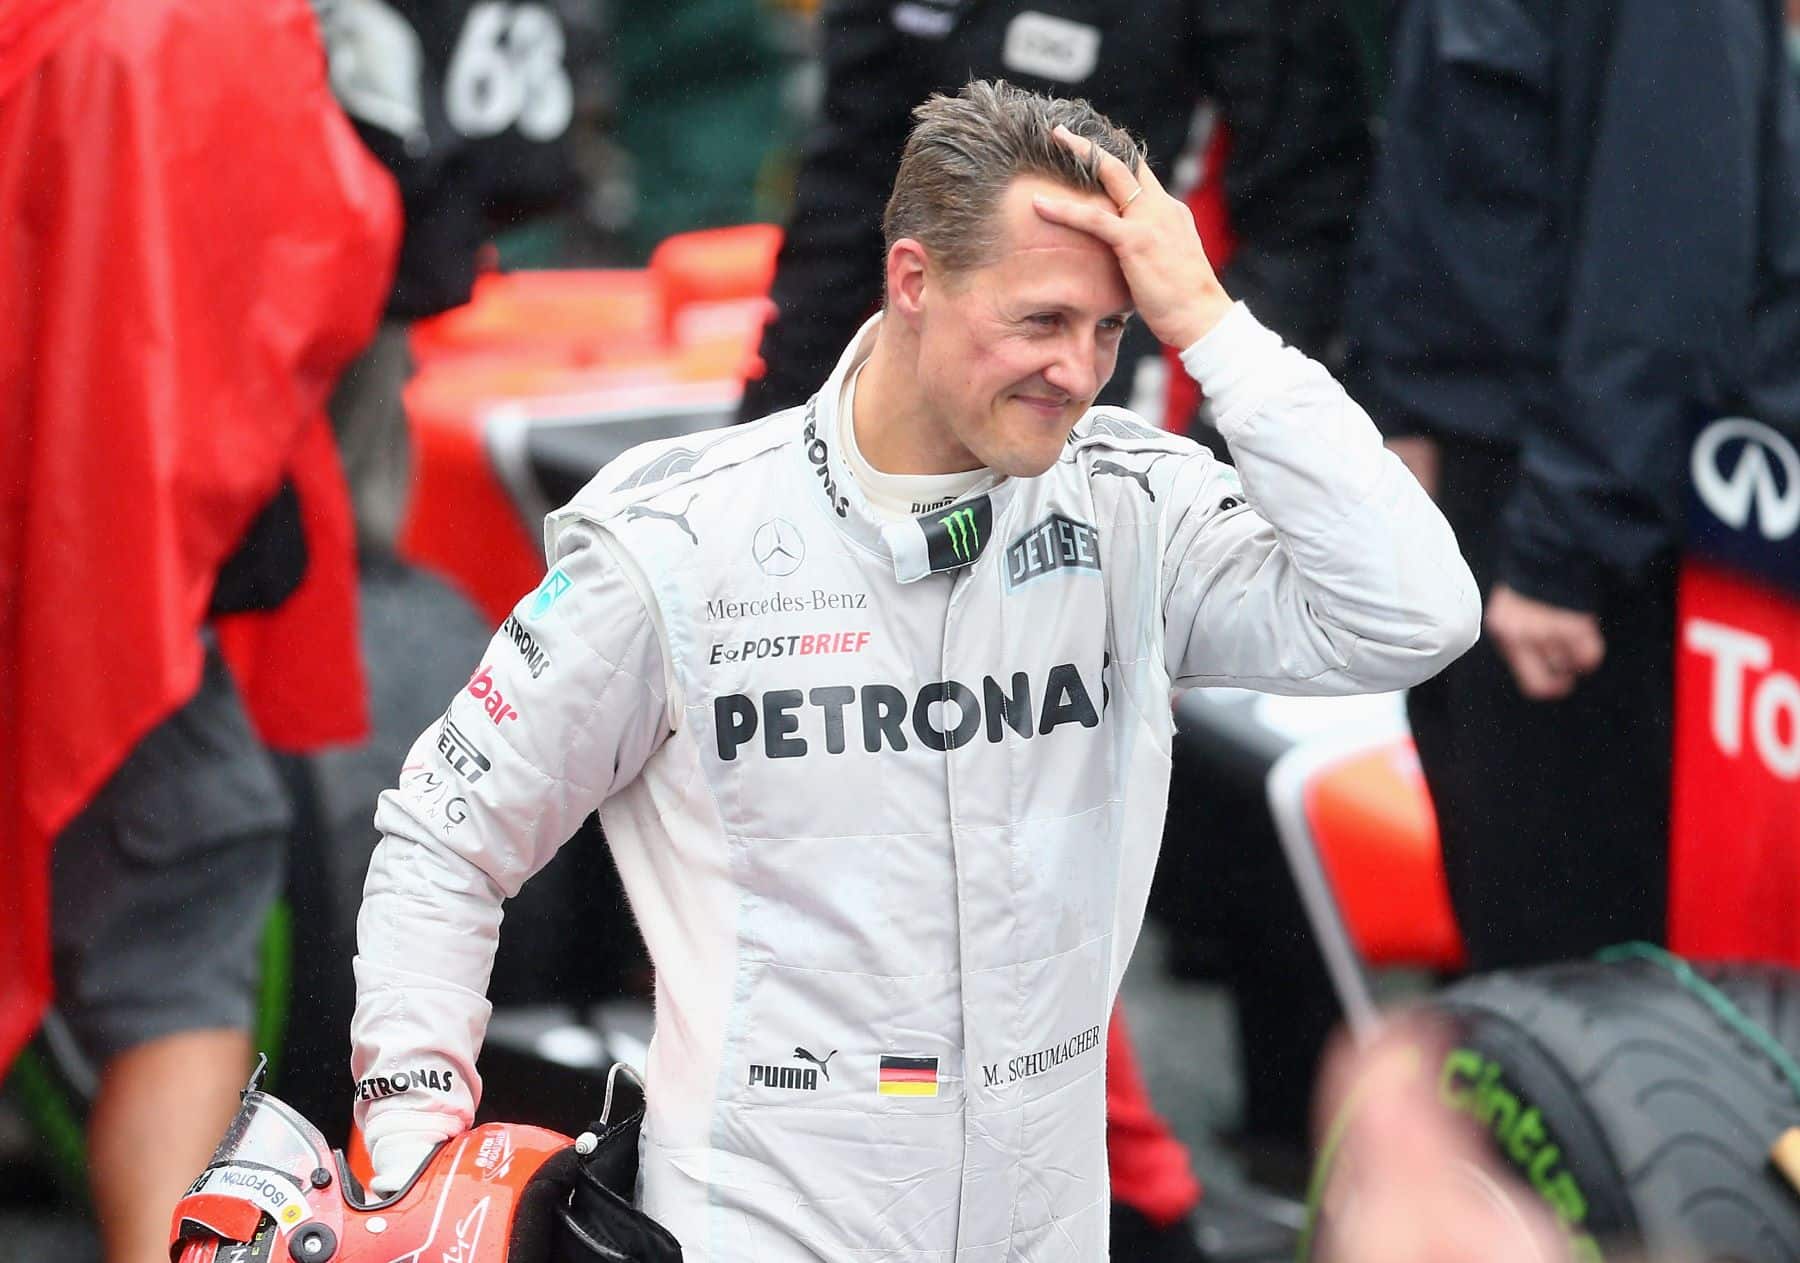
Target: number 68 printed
(508, 68)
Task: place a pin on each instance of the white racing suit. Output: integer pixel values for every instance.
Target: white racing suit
(886, 799)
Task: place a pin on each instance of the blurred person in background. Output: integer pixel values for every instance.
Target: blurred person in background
(1286, 82)
(544, 133)
(1285, 78)
(703, 115)
(469, 104)
(196, 243)
(1583, 240)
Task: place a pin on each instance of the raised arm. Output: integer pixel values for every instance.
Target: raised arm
(1330, 570)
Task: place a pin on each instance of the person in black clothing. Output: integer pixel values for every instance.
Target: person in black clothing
(1286, 78)
(1583, 241)
(468, 104)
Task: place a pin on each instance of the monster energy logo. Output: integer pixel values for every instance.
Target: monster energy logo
(955, 537)
(965, 536)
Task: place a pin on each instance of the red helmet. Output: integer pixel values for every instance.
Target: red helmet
(274, 1192)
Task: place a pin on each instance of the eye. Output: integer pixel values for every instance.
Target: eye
(1045, 319)
(1112, 326)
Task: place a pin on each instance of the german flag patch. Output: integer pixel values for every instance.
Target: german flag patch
(908, 1076)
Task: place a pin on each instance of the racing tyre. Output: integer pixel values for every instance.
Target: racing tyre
(1636, 1097)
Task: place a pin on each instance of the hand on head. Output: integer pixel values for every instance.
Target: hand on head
(1153, 235)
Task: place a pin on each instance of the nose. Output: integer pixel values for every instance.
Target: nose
(1077, 370)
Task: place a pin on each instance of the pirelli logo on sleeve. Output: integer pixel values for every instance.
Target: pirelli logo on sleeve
(463, 755)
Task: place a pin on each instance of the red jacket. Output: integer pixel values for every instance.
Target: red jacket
(193, 244)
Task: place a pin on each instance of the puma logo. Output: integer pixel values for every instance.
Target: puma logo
(1140, 477)
(800, 1054)
(635, 511)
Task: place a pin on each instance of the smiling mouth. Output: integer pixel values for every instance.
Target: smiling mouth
(1043, 405)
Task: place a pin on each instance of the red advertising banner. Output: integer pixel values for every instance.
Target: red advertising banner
(1734, 850)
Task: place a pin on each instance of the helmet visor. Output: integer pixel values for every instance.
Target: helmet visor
(267, 1133)
(267, 1158)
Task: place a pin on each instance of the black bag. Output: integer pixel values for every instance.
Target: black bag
(600, 1218)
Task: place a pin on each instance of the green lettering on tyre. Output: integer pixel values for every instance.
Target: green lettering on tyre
(1474, 1085)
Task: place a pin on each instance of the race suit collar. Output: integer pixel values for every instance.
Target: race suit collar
(945, 539)
(895, 497)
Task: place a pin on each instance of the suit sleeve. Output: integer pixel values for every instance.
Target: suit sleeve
(828, 275)
(1329, 570)
(568, 704)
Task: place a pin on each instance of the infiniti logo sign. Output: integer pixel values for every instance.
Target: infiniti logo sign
(1743, 469)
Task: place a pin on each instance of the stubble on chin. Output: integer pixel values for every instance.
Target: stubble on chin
(1034, 461)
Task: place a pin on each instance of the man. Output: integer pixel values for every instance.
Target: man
(873, 697)
(1285, 83)
(1554, 285)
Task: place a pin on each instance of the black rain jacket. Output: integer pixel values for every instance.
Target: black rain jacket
(1582, 240)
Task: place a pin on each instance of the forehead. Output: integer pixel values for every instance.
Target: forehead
(1038, 262)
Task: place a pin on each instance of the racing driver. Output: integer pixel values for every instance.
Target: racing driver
(873, 699)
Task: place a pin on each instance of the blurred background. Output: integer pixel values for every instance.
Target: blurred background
(308, 314)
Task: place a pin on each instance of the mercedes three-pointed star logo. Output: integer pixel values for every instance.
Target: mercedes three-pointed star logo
(777, 547)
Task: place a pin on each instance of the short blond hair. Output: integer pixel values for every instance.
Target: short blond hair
(965, 150)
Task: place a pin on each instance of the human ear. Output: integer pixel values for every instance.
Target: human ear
(907, 265)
